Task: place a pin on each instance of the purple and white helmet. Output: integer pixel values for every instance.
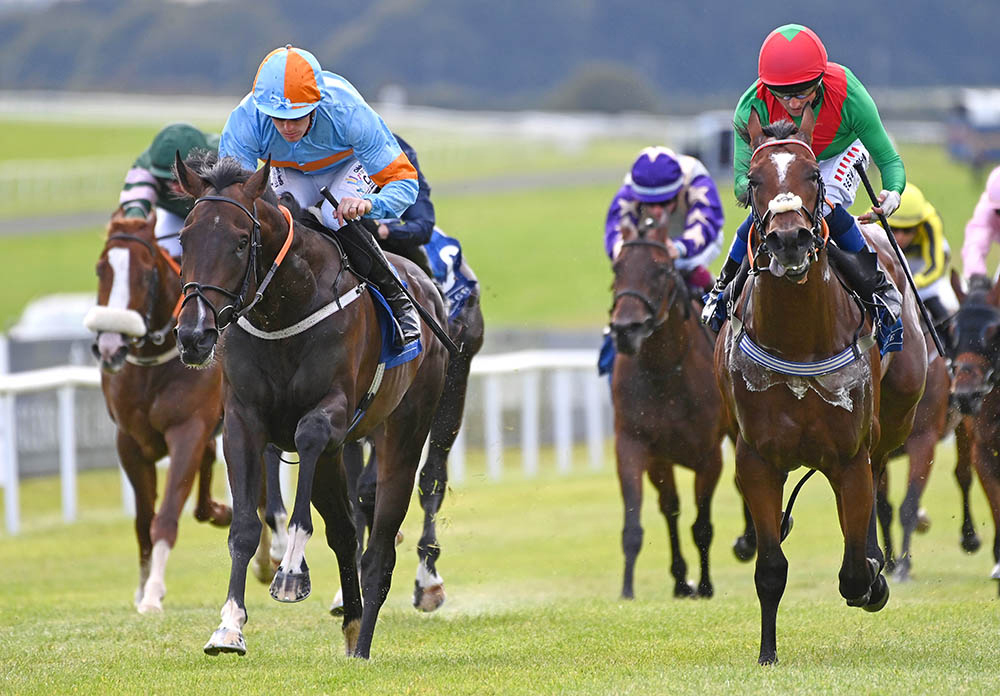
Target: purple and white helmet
(656, 175)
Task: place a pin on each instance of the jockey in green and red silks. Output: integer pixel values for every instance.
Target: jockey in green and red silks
(794, 74)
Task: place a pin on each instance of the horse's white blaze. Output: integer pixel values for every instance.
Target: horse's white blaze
(426, 578)
(781, 161)
(295, 553)
(233, 617)
(118, 259)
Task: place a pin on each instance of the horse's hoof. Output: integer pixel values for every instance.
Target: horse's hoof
(902, 573)
(217, 514)
(290, 587)
(923, 521)
(226, 640)
(878, 595)
(971, 543)
(743, 549)
(263, 570)
(428, 599)
(351, 633)
(705, 590)
(890, 564)
(995, 575)
(683, 590)
(150, 608)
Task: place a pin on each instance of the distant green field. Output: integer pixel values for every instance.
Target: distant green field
(536, 249)
(533, 571)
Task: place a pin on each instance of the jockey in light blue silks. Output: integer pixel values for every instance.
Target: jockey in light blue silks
(318, 131)
(674, 190)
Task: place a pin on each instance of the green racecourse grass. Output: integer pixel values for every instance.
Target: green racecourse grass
(538, 252)
(533, 571)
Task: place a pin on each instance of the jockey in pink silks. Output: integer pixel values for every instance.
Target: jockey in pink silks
(983, 230)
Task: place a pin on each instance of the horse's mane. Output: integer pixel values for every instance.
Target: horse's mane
(220, 172)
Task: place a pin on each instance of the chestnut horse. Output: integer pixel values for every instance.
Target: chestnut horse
(465, 326)
(302, 372)
(159, 406)
(668, 410)
(976, 339)
(803, 388)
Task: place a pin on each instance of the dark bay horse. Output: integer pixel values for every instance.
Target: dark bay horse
(160, 407)
(466, 328)
(667, 407)
(302, 372)
(976, 340)
(802, 375)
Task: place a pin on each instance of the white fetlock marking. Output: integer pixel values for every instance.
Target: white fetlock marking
(296, 552)
(338, 599)
(995, 575)
(233, 618)
(279, 541)
(155, 588)
(426, 578)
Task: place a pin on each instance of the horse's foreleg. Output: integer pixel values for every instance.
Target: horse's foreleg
(398, 460)
(632, 462)
(428, 592)
(705, 480)
(186, 444)
(662, 476)
(761, 485)
(352, 454)
(920, 451)
(963, 474)
(987, 463)
(884, 509)
(244, 446)
(745, 545)
(861, 580)
(312, 436)
(142, 475)
(273, 533)
(330, 498)
(206, 508)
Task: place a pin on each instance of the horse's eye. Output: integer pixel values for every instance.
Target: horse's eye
(242, 244)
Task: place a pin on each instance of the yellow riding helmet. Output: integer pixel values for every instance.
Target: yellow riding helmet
(913, 208)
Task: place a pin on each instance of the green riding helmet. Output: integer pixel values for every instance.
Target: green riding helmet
(177, 137)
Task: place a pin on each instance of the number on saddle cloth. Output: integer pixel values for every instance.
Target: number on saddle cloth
(445, 256)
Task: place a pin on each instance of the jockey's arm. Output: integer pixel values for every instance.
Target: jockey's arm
(383, 159)
(980, 233)
(240, 138)
(703, 222)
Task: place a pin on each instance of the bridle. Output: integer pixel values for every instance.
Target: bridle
(651, 307)
(155, 337)
(238, 306)
(816, 224)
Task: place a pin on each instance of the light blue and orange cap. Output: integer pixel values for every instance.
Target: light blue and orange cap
(287, 83)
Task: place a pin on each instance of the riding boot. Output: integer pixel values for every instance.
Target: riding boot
(366, 255)
(862, 272)
(716, 300)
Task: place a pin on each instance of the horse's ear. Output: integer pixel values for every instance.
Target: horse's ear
(190, 183)
(257, 183)
(956, 285)
(808, 123)
(754, 129)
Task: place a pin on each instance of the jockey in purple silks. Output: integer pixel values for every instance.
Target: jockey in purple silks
(667, 189)
(794, 74)
(983, 229)
(670, 188)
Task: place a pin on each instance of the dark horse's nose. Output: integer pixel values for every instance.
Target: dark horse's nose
(196, 344)
(790, 247)
(628, 336)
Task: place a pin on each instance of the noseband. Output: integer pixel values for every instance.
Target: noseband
(235, 309)
(651, 307)
(816, 223)
(155, 337)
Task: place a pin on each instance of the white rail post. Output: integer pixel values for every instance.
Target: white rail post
(456, 458)
(493, 426)
(593, 386)
(530, 383)
(67, 451)
(11, 494)
(562, 405)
